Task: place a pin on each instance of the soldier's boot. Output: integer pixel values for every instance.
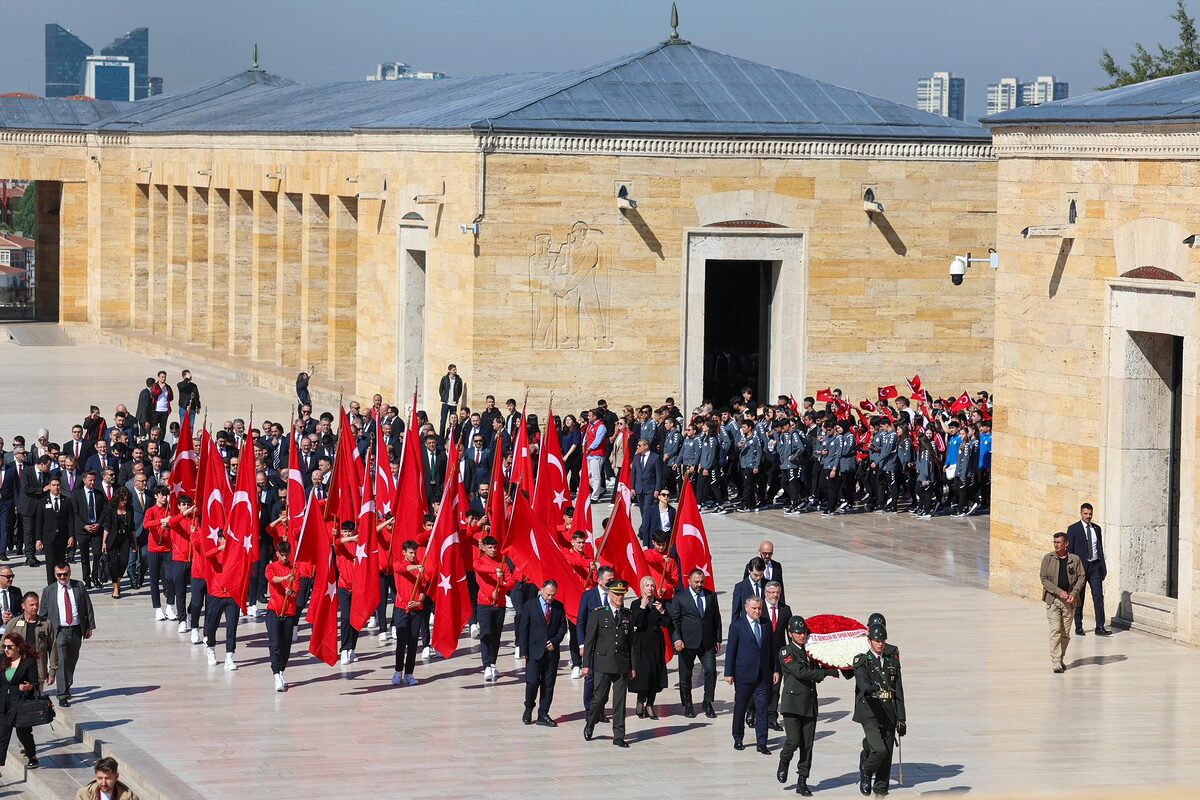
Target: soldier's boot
(782, 774)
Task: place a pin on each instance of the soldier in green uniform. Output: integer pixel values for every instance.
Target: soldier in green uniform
(879, 708)
(606, 656)
(798, 703)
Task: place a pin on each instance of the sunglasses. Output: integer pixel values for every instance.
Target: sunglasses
(62, 574)
(10, 647)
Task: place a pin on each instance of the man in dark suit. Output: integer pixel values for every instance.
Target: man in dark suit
(8, 508)
(434, 463)
(772, 569)
(101, 459)
(775, 614)
(646, 473)
(10, 598)
(479, 463)
(89, 504)
(592, 599)
(142, 498)
(68, 608)
(34, 485)
(752, 668)
(77, 447)
(1084, 540)
(697, 623)
(607, 657)
(55, 526)
(543, 625)
(752, 586)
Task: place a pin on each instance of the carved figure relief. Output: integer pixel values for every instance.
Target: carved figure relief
(569, 288)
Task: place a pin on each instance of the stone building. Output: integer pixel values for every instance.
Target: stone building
(674, 222)
(1096, 342)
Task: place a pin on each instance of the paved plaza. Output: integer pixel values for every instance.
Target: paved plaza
(986, 714)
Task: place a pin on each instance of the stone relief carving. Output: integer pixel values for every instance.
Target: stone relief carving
(569, 288)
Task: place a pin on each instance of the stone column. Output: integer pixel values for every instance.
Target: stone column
(197, 266)
(177, 262)
(139, 258)
(156, 298)
(110, 202)
(342, 291)
(45, 277)
(313, 312)
(73, 234)
(219, 251)
(263, 299)
(241, 271)
(287, 280)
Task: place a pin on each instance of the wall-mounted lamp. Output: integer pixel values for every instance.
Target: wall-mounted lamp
(205, 172)
(624, 201)
(94, 159)
(870, 204)
(960, 264)
(1062, 231)
(275, 176)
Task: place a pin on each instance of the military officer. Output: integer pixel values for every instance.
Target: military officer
(798, 703)
(606, 653)
(879, 708)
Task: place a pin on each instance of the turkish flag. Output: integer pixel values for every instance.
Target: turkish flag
(241, 531)
(410, 503)
(449, 590)
(939, 442)
(795, 408)
(691, 543)
(534, 551)
(497, 505)
(315, 541)
(522, 464)
(867, 405)
(843, 409)
(550, 494)
(312, 538)
(625, 480)
(623, 551)
(345, 488)
(914, 386)
(295, 490)
(365, 597)
(824, 396)
(888, 392)
(962, 403)
(921, 396)
(385, 482)
(185, 467)
(583, 506)
(887, 412)
(217, 496)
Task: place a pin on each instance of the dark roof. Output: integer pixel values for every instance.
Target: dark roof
(669, 89)
(54, 113)
(1175, 98)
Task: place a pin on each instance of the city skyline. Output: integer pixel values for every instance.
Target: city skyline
(826, 43)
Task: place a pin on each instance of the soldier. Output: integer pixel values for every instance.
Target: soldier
(879, 708)
(606, 651)
(798, 703)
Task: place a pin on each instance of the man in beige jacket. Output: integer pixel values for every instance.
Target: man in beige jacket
(107, 785)
(1062, 577)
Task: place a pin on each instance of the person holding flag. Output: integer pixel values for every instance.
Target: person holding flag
(407, 615)
(344, 551)
(495, 580)
(283, 586)
(219, 602)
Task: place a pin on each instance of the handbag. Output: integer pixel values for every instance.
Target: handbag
(33, 712)
(103, 570)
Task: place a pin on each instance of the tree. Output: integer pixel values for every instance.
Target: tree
(1144, 65)
(24, 212)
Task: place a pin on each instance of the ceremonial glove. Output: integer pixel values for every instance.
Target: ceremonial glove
(901, 727)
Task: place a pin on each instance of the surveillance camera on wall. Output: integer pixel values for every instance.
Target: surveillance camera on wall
(958, 268)
(624, 201)
(1190, 241)
(869, 203)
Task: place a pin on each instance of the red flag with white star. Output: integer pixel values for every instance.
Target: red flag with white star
(345, 487)
(323, 607)
(448, 576)
(185, 466)
(623, 551)
(583, 506)
(365, 597)
(962, 403)
(217, 496)
(295, 490)
(534, 550)
(241, 530)
(410, 503)
(691, 542)
(522, 469)
(551, 494)
(497, 505)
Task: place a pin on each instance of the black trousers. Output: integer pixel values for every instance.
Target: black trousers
(886, 488)
(408, 626)
(743, 695)
(708, 662)
(29, 537)
(800, 732)
(540, 676)
(160, 568)
(878, 741)
(24, 736)
(198, 604)
(491, 623)
(53, 551)
(387, 597)
(347, 636)
(218, 607)
(749, 498)
(279, 640)
(830, 490)
(89, 554)
(708, 485)
(1096, 585)
(179, 577)
(848, 480)
(573, 641)
(618, 684)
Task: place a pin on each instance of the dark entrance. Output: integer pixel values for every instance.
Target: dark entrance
(737, 324)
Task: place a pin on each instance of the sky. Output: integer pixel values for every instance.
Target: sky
(876, 46)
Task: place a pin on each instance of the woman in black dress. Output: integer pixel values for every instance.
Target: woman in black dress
(649, 654)
(18, 681)
(117, 524)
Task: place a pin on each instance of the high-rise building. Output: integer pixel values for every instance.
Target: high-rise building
(1010, 93)
(135, 46)
(65, 53)
(943, 94)
(398, 71)
(156, 86)
(109, 78)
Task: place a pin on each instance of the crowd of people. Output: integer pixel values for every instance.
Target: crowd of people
(105, 497)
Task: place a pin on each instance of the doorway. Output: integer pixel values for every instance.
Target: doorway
(410, 312)
(737, 324)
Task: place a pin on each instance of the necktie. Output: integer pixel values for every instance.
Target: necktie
(91, 506)
(700, 603)
(56, 505)
(757, 632)
(774, 617)
(756, 588)
(604, 597)
(547, 614)
(67, 604)
(476, 456)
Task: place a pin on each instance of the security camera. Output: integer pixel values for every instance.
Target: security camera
(1190, 241)
(869, 204)
(624, 200)
(958, 268)
(472, 229)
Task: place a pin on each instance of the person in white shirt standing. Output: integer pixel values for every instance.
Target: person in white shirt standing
(1084, 540)
(68, 607)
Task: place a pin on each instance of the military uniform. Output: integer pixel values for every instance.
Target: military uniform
(606, 654)
(879, 708)
(798, 705)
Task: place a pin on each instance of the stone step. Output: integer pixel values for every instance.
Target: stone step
(65, 764)
(1151, 612)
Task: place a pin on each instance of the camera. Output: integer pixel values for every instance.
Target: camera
(958, 268)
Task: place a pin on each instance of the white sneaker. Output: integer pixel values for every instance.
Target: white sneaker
(278, 682)
(183, 628)
(425, 654)
(353, 656)
(392, 633)
(372, 624)
(295, 634)
(495, 673)
(171, 615)
(576, 673)
(516, 653)
(212, 656)
(195, 636)
(397, 677)
(383, 638)
(345, 656)
(159, 616)
(230, 665)
(474, 630)
(488, 675)
(409, 680)
(252, 611)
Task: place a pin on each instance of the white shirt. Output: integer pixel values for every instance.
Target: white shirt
(105, 795)
(65, 600)
(163, 403)
(664, 516)
(1091, 534)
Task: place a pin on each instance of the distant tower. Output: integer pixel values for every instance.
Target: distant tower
(65, 54)
(135, 46)
(943, 94)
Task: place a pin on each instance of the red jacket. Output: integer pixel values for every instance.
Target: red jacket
(278, 601)
(156, 392)
(344, 552)
(582, 564)
(158, 538)
(181, 538)
(485, 574)
(667, 582)
(406, 585)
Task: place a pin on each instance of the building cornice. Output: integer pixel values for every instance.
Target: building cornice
(538, 144)
(43, 137)
(1143, 142)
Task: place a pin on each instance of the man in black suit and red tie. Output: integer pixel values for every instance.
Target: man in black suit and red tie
(1084, 540)
(543, 626)
(78, 448)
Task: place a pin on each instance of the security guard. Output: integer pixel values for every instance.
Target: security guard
(879, 708)
(798, 703)
(606, 653)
